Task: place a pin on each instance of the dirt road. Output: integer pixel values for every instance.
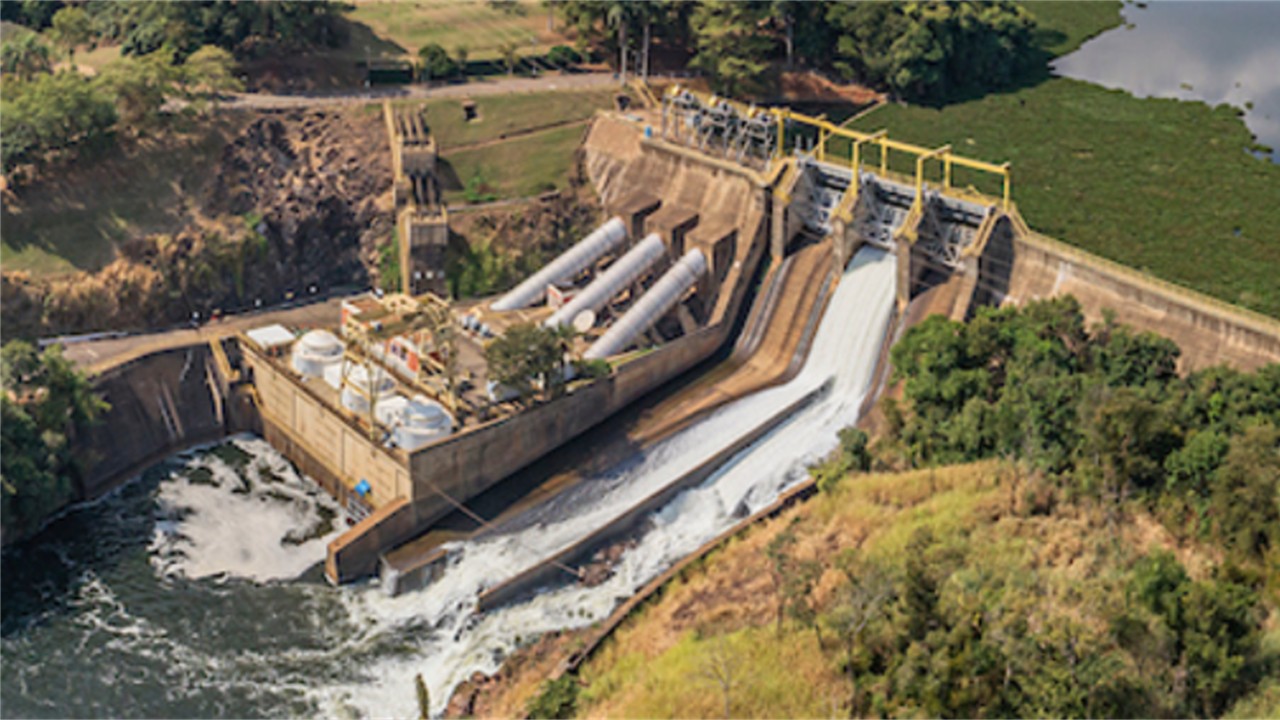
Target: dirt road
(501, 86)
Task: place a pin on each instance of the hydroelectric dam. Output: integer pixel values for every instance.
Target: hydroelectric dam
(732, 313)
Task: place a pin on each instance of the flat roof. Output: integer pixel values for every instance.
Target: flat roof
(270, 336)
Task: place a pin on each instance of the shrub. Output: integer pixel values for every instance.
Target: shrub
(557, 699)
(563, 56)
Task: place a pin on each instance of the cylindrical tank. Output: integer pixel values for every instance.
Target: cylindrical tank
(422, 421)
(357, 388)
(315, 351)
(622, 273)
(605, 238)
(651, 306)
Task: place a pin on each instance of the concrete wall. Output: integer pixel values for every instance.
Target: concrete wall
(160, 404)
(321, 439)
(1024, 266)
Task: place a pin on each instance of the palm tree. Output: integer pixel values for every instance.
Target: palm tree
(619, 15)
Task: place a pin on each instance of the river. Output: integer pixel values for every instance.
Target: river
(1215, 51)
(196, 591)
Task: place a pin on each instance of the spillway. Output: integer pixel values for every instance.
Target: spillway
(460, 642)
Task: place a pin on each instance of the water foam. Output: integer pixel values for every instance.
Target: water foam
(241, 510)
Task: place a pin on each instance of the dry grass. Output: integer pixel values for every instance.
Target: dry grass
(654, 664)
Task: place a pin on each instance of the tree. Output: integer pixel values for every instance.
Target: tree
(1220, 643)
(70, 29)
(730, 46)
(933, 50)
(526, 353)
(24, 56)
(1246, 492)
(140, 86)
(460, 55)
(50, 113)
(208, 73)
(562, 56)
(45, 402)
(510, 52)
(436, 63)
(862, 600)
(1124, 442)
(720, 666)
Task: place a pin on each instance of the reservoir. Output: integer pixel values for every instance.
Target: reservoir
(1218, 52)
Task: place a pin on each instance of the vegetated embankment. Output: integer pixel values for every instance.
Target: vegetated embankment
(296, 199)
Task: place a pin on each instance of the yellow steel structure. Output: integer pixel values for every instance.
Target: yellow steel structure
(827, 130)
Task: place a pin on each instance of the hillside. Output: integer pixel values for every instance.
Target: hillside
(1022, 604)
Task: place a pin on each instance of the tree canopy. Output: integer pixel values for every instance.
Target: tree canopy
(45, 402)
(1101, 410)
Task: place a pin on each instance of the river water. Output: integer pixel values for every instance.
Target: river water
(196, 590)
(1211, 50)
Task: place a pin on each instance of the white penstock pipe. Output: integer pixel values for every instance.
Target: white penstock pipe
(603, 239)
(651, 307)
(622, 273)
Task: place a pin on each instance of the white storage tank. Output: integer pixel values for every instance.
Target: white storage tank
(315, 352)
(357, 388)
(421, 421)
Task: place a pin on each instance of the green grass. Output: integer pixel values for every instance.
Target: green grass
(74, 220)
(516, 168)
(481, 27)
(501, 115)
(1064, 25)
(1161, 185)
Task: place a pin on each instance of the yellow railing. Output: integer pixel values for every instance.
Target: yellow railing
(828, 130)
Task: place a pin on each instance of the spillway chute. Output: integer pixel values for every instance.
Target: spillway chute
(604, 239)
(651, 306)
(629, 268)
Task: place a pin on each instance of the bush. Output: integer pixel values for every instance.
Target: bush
(563, 56)
(557, 699)
(436, 63)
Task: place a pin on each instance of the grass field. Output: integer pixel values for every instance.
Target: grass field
(1065, 25)
(521, 167)
(481, 27)
(1162, 185)
(535, 161)
(501, 115)
(73, 221)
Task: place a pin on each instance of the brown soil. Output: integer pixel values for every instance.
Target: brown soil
(506, 694)
(811, 87)
(314, 184)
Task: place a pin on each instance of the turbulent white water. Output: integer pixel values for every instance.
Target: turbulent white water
(450, 642)
(248, 514)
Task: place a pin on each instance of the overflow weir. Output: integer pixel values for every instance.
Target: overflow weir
(394, 414)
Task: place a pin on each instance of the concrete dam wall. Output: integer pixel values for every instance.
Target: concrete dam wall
(1018, 265)
(161, 403)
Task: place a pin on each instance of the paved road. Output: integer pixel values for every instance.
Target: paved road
(502, 86)
(98, 355)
